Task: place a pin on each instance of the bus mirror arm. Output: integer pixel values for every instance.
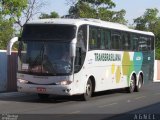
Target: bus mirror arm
(73, 55)
(10, 44)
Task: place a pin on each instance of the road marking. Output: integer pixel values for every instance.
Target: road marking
(128, 101)
(140, 97)
(107, 105)
(75, 112)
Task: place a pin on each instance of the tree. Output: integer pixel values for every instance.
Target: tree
(9, 11)
(100, 9)
(6, 32)
(51, 15)
(33, 8)
(16, 12)
(150, 21)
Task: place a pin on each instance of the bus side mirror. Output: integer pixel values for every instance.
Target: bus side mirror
(73, 49)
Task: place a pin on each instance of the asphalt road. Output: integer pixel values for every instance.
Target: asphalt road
(113, 104)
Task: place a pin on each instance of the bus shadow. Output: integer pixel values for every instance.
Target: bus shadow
(108, 92)
(33, 98)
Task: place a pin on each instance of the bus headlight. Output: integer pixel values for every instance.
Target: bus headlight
(22, 81)
(64, 82)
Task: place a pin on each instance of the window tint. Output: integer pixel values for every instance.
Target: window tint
(82, 37)
(149, 43)
(81, 47)
(93, 41)
(152, 43)
(134, 41)
(115, 42)
(48, 31)
(108, 39)
(105, 39)
(126, 45)
(142, 43)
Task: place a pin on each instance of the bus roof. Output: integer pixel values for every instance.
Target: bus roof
(89, 21)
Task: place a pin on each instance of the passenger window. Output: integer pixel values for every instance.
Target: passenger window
(105, 39)
(93, 41)
(82, 38)
(142, 44)
(134, 40)
(149, 43)
(115, 42)
(102, 46)
(81, 47)
(152, 43)
(126, 45)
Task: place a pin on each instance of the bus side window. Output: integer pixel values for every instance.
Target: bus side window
(99, 37)
(134, 41)
(93, 38)
(152, 43)
(149, 43)
(81, 47)
(82, 38)
(142, 44)
(107, 39)
(126, 45)
(115, 42)
(102, 46)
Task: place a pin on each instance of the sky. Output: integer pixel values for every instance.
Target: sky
(134, 8)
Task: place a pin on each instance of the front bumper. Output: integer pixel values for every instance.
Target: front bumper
(66, 90)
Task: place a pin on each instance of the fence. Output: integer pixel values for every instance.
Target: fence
(12, 72)
(3, 71)
(8, 69)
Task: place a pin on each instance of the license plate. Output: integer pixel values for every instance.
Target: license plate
(41, 89)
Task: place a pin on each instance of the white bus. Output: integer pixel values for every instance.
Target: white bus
(82, 56)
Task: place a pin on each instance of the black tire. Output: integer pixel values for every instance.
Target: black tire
(43, 96)
(132, 85)
(140, 83)
(89, 91)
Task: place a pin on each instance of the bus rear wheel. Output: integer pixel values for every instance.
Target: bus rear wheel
(140, 82)
(132, 85)
(89, 90)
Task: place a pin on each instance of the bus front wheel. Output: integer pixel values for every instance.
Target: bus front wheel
(88, 92)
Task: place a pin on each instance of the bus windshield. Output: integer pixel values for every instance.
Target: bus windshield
(44, 58)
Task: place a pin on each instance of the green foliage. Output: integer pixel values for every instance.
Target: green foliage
(10, 10)
(6, 32)
(150, 21)
(51, 15)
(108, 4)
(99, 9)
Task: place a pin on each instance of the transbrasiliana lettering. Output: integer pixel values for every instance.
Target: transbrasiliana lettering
(107, 57)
